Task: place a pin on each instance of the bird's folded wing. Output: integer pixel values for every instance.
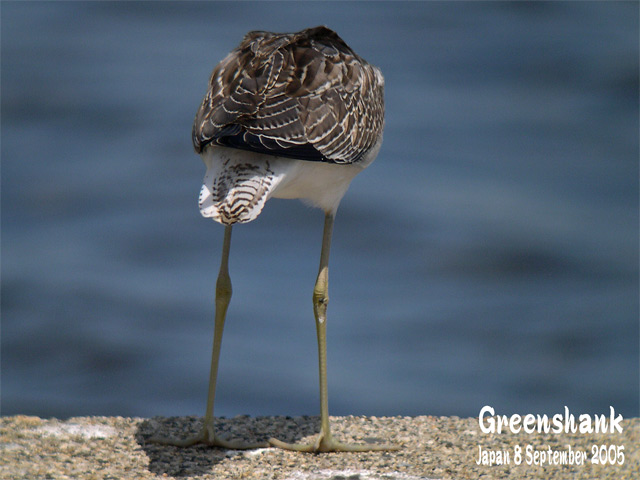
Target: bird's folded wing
(305, 95)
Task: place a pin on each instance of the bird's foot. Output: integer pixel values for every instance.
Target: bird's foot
(207, 437)
(326, 443)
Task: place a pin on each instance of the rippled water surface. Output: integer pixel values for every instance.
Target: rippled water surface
(488, 256)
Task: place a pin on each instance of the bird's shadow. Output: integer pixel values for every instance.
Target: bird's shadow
(199, 459)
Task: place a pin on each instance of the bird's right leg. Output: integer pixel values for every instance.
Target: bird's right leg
(325, 442)
(207, 435)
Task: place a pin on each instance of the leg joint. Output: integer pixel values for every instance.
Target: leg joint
(223, 286)
(320, 298)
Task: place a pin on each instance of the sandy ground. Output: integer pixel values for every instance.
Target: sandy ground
(431, 448)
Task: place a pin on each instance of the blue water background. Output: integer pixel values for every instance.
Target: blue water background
(488, 256)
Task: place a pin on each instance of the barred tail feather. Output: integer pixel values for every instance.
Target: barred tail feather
(236, 186)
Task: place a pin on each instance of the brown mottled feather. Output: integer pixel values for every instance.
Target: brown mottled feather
(303, 95)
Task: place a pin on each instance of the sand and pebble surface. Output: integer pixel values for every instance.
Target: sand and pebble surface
(431, 448)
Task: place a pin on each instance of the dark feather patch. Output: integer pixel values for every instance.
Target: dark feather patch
(304, 95)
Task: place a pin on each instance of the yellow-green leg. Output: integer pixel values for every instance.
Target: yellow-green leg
(207, 435)
(325, 442)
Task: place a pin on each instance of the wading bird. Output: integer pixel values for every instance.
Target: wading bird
(286, 116)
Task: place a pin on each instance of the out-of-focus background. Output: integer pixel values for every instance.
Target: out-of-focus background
(488, 256)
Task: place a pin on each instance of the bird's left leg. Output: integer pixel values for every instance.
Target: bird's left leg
(324, 441)
(207, 435)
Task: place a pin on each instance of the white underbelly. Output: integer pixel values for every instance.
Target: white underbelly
(320, 184)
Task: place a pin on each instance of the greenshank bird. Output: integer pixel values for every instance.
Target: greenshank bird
(294, 115)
